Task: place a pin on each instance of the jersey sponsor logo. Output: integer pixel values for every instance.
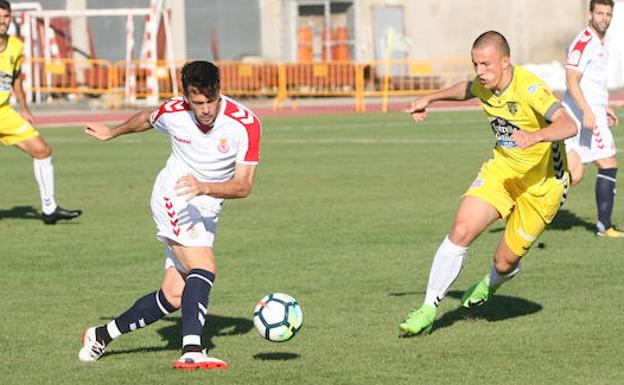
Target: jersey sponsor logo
(6, 81)
(533, 87)
(182, 140)
(502, 130)
(223, 146)
(512, 107)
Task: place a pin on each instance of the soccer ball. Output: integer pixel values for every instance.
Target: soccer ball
(278, 317)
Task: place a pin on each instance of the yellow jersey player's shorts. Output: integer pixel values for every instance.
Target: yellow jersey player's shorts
(13, 128)
(527, 209)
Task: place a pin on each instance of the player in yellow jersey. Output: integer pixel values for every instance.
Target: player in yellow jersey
(16, 129)
(524, 183)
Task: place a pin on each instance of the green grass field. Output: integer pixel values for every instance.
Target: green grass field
(346, 214)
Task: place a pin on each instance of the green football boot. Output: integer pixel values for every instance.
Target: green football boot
(477, 294)
(419, 321)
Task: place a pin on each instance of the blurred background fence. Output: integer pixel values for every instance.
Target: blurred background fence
(127, 82)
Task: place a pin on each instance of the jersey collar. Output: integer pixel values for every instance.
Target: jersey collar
(513, 75)
(594, 34)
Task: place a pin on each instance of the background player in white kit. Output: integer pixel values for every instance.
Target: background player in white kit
(586, 99)
(215, 149)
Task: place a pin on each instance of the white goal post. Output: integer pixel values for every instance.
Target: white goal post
(41, 43)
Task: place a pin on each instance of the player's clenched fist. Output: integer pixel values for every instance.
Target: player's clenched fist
(189, 186)
(417, 109)
(99, 131)
(525, 139)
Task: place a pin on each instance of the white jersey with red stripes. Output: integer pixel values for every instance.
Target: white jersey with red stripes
(209, 154)
(589, 54)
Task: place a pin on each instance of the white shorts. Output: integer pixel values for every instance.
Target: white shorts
(591, 146)
(192, 224)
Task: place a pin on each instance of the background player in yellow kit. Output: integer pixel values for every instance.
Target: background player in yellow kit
(524, 183)
(16, 129)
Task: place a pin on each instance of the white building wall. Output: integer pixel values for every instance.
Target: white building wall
(537, 30)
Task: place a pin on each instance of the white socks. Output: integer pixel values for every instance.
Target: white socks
(44, 174)
(495, 279)
(447, 263)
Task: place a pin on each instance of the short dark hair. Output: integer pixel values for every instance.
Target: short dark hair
(202, 75)
(495, 38)
(592, 4)
(5, 5)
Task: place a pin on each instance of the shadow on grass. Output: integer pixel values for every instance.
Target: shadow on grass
(565, 220)
(20, 212)
(499, 308)
(276, 356)
(171, 333)
(404, 293)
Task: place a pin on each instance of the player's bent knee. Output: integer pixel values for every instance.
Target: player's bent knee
(607, 163)
(503, 267)
(42, 151)
(461, 234)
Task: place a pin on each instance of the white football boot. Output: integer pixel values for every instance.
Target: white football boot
(92, 349)
(198, 360)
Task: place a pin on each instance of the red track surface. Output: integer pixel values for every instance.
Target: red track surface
(79, 117)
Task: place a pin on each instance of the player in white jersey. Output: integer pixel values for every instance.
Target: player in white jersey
(215, 143)
(587, 101)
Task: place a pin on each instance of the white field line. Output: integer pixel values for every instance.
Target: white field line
(323, 142)
(406, 124)
(369, 141)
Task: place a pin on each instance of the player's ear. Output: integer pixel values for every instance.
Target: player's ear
(506, 61)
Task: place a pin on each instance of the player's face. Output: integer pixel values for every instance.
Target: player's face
(490, 66)
(600, 18)
(5, 21)
(205, 109)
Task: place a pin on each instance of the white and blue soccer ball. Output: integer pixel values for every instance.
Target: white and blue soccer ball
(278, 317)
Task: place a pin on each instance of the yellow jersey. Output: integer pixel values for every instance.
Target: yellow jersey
(526, 104)
(10, 67)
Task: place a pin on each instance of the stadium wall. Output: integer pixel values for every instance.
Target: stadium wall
(539, 31)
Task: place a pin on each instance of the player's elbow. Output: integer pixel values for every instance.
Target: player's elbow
(243, 190)
(566, 123)
(570, 126)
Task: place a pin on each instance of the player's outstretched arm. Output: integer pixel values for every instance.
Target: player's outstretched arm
(460, 91)
(136, 123)
(238, 187)
(562, 127)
